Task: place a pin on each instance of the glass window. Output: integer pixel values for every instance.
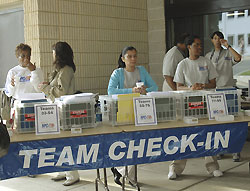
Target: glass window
(231, 24)
(241, 13)
(230, 40)
(240, 40)
(230, 14)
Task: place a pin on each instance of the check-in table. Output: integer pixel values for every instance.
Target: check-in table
(108, 146)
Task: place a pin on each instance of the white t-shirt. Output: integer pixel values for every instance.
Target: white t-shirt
(131, 78)
(223, 61)
(25, 81)
(170, 62)
(190, 72)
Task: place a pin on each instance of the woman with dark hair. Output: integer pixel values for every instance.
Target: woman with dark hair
(123, 80)
(61, 82)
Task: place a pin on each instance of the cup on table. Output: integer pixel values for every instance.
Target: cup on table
(139, 84)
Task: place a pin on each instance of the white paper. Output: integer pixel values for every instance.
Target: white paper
(145, 111)
(32, 96)
(46, 119)
(216, 105)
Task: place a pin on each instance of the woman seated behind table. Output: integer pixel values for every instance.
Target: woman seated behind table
(123, 81)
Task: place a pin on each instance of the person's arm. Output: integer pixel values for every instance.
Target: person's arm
(149, 82)
(36, 78)
(63, 84)
(9, 85)
(179, 77)
(181, 86)
(170, 81)
(236, 55)
(211, 84)
(113, 87)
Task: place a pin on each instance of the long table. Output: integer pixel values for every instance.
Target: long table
(109, 146)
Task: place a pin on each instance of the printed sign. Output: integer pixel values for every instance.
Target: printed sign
(46, 119)
(145, 112)
(216, 105)
(78, 114)
(248, 88)
(196, 105)
(29, 117)
(121, 149)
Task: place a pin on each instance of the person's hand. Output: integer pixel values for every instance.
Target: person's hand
(198, 86)
(143, 90)
(42, 85)
(224, 43)
(136, 90)
(13, 81)
(31, 66)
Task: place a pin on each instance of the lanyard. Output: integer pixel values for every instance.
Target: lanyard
(217, 59)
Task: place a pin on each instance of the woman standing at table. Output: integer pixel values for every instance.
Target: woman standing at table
(123, 81)
(61, 82)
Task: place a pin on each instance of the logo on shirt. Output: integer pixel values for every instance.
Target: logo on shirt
(24, 79)
(203, 68)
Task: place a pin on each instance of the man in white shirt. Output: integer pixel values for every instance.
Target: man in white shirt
(25, 77)
(195, 73)
(223, 60)
(171, 60)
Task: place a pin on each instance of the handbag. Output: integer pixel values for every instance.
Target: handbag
(4, 139)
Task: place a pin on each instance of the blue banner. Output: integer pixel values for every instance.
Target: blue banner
(120, 149)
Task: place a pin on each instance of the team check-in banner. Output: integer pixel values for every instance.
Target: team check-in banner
(119, 149)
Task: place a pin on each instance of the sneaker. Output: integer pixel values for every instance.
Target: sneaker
(172, 175)
(59, 177)
(70, 182)
(32, 176)
(219, 156)
(236, 157)
(217, 173)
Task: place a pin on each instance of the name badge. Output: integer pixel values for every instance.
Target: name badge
(203, 68)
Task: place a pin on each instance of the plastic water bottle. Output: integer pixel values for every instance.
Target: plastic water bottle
(98, 114)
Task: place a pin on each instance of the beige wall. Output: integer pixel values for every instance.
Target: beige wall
(6, 4)
(97, 30)
(156, 39)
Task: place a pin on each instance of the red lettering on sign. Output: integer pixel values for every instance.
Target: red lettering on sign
(78, 114)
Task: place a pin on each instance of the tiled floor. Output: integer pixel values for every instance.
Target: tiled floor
(152, 177)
